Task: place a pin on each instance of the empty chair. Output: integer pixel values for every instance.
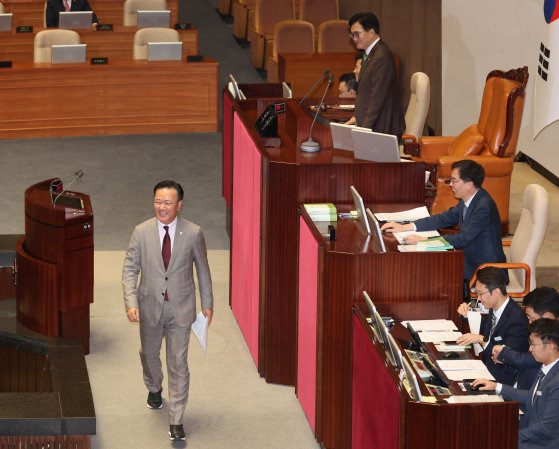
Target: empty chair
(45, 39)
(1, 8)
(319, 11)
(131, 7)
(243, 17)
(145, 35)
(290, 36)
(333, 37)
(418, 106)
(224, 7)
(267, 14)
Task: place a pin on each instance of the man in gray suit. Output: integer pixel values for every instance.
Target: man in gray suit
(377, 105)
(540, 404)
(163, 250)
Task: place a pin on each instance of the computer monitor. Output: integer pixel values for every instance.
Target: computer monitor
(396, 352)
(375, 229)
(382, 331)
(157, 19)
(6, 22)
(75, 20)
(372, 309)
(68, 54)
(287, 93)
(412, 380)
(341, 136)
(164, 51)
(360, 207)
(237, 92)
(375, 147)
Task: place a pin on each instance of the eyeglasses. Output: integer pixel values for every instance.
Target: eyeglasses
(355, 34)
(537, 344)
(480, 294)
(163, 203)
(454, 181)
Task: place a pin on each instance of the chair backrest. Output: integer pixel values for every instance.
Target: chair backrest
(530, 232)
(293, 36)
(145, 35)
(45, 39)
(131, 7)
(319, 11)
(44, 15)
(270, 12)
(418, 106)
(1, 8)
(333, 37)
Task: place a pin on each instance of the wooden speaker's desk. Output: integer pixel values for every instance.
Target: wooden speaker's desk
(268, 185)
(116, 44)
(332, 277)
(122, 97)
(385, 416)
(31, 12)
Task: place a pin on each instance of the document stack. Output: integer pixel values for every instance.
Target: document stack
(322, 211)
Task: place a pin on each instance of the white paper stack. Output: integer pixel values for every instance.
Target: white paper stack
(405, 215)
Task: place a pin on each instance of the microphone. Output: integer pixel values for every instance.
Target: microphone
(324, 75)
(310, 146)
(77, 176)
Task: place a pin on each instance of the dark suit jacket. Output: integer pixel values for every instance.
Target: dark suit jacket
(522, 361)
(480, 231)
(540, 427)
(377, 105)
(54, 7)
(512, 330)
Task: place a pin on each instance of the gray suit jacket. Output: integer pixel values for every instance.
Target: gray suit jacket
(144, 256)
(540, 428)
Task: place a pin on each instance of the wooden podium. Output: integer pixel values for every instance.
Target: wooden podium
(55, 264)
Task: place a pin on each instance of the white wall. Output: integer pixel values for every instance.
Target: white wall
(479, 36)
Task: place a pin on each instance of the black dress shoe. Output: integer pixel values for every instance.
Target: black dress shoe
(176, 432)
(155, 400)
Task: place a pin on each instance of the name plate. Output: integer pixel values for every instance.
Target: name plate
(194, 58)
(105, 27)
(5, 64)
(24, 29)
(183, 26)
(98, 61)
(267, 123)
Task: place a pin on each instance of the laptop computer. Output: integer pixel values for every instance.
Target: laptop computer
(375, 147)
(68, 54)
(6, 22)
(377, 233)
(164, 51)
(147, 19)
(341, 135)
(75, 20)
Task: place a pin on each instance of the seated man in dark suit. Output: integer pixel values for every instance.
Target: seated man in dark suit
(540, 403)
(542, 302)
(347, 86)
(505, 324)
(476, 213)
(54, 7)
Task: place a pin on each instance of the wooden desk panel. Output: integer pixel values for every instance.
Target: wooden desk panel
(117, 44)
(119, 98)
(30, 12)
(302, 70)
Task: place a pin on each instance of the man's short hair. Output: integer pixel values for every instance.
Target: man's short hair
(349, 80)
(547, 329)
(542, 300)
(492, 278)
(367, 20)
(470, 171)
(169, 184)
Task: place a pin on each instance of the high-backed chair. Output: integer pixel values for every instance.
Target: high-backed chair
(45, 39)
(224, 7)
(131, 8)
(267, 14)
(1, 8)
(290, 36)
(491, 142)
(526, 243)
(418, 106)
(333, 37)
(243, 17)
(145, 35)
(319, 11)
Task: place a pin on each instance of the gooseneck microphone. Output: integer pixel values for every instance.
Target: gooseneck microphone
(313, 87)
(77, 176)
(310, 146)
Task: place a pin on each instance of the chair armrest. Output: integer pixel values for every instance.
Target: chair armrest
(411, 146)
(508, 266)
(432, 148)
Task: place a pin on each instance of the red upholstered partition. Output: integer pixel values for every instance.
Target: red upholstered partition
(245, 234)
(375, 423)
(306, 322)
(226, 147)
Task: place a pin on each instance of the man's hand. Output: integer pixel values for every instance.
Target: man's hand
(468, 339)
(495, 353)
(208, 313)
(412, 239)
(392, 226)
(484, 384)
(464, 309)
(133, 314)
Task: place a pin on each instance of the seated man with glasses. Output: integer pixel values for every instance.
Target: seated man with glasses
(476, 213)
(505, 324)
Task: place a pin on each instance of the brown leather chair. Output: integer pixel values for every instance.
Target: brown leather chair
(491, 142)
(333, 37)
(319, 11)
(243, 17)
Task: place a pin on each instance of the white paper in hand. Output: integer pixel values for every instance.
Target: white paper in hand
(200, 329)
(474, 320)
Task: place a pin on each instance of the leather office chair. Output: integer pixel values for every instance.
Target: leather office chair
(333, 37)
(243, 17)
(319, 11)
(224, 7)
(145, 35)
(267, 14)
(131, 7)
(418, 106)
(290, 36)
(45, 39)
(526, 243)
(491, 142)
(1, 8)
